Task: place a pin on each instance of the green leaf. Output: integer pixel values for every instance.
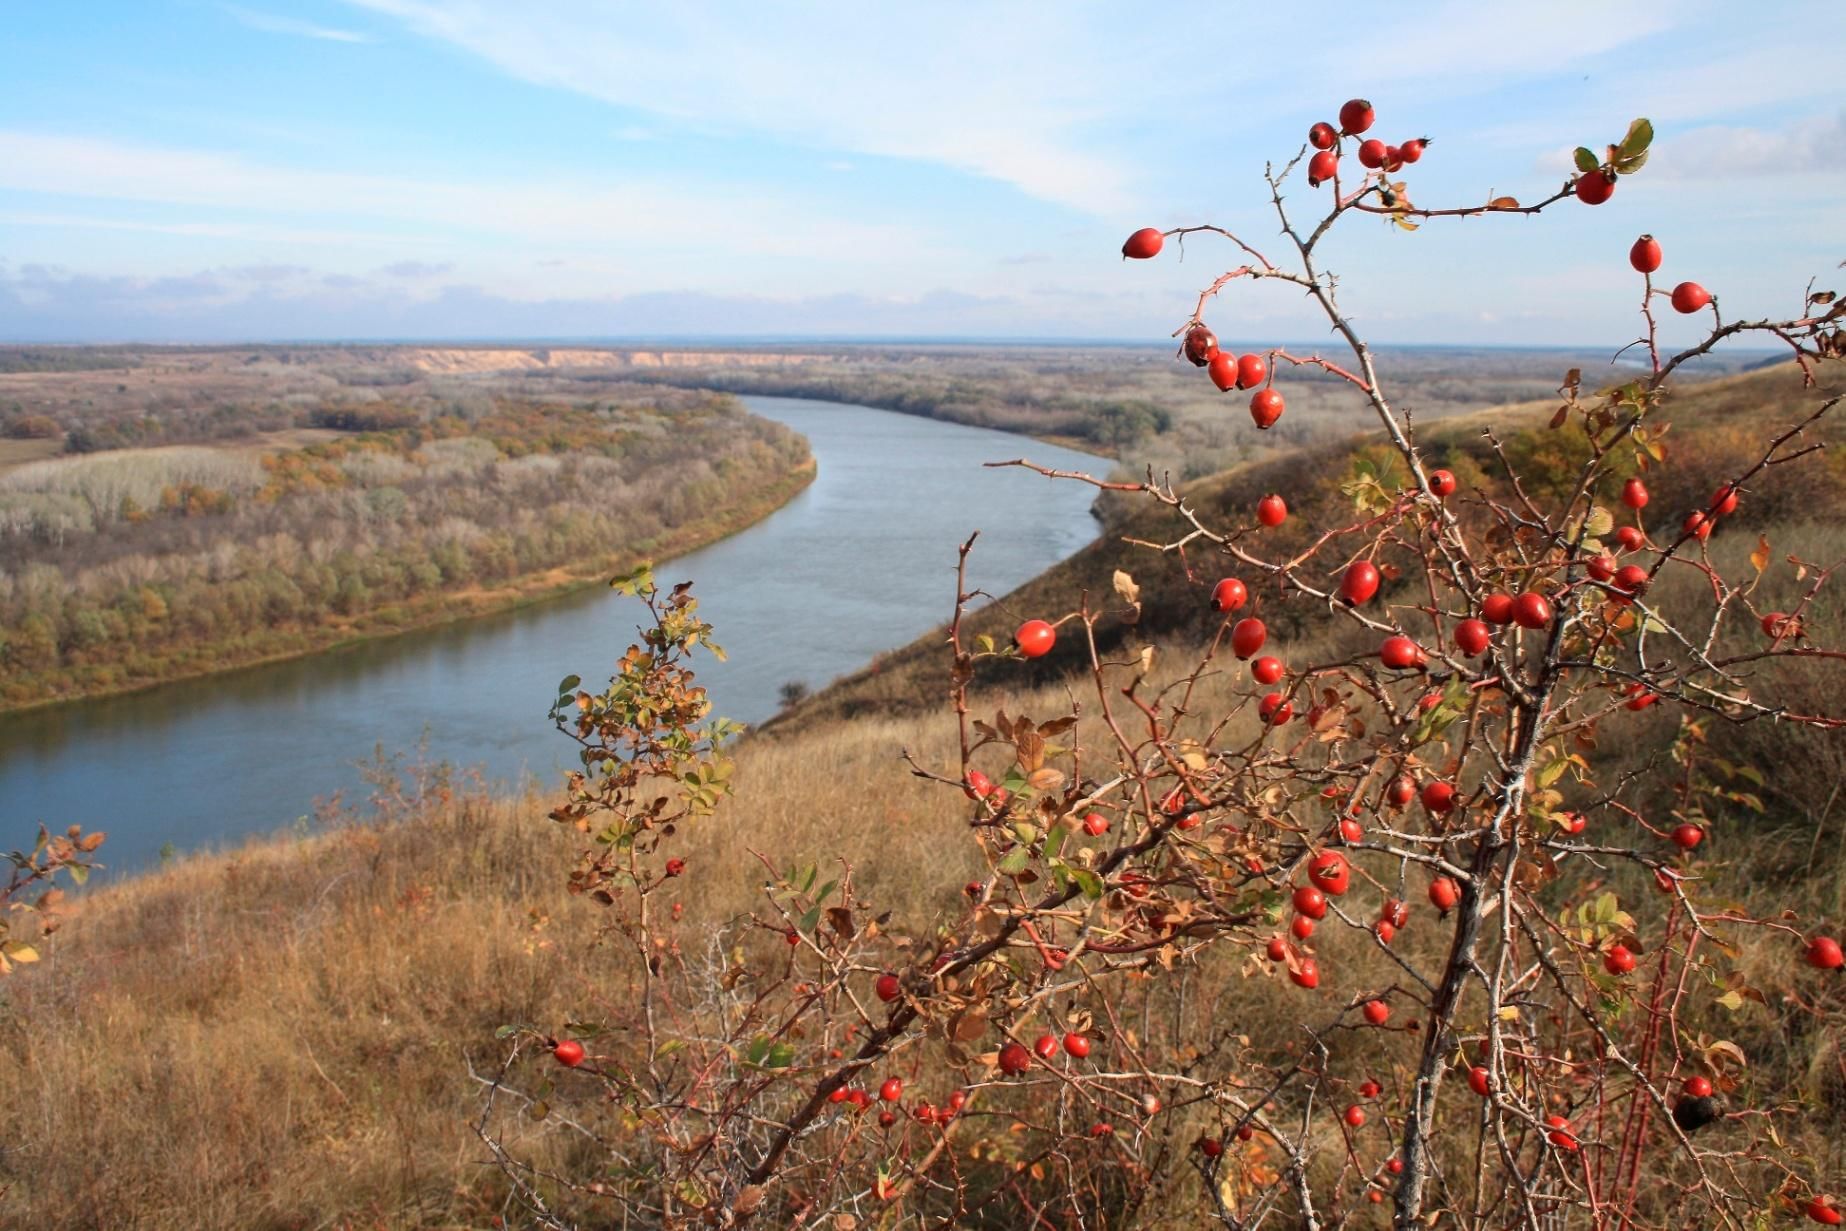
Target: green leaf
(1088, 882)
(569, 684)
(1015, 861)
(1586, 159)
(1640, 136)
(759, 1047)
(504, 1031)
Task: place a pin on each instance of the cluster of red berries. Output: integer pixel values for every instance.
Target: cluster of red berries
(1357, 117)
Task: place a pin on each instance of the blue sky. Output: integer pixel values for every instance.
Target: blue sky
(185, 170)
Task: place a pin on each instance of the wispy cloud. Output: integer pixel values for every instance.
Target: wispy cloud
(276, 23)
(416, 269)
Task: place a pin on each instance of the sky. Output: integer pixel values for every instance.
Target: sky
(199, 170)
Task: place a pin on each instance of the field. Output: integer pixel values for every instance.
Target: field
(327, 1004)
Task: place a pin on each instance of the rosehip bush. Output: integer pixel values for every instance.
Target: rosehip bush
(1381, 935)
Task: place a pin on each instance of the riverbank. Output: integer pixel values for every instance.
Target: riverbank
(431, 610)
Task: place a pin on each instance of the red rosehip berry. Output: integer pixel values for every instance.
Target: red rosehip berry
(887, 988)
(1723, 501)
(1266, 407)
(1401, 791)
(1595, 187)
(1820, 1210)
(1698, 525)
(1601, 568)
(676, 867)
(1322, 168)
(1035, 638)
(1210, 1147)
(1247, 636)
(1697, 1087)
(1372, 154)
(1275, 709)
(1222, 368)
(1077, 1045)
(1531, 610)
(1200, 345)
(1687, 836)
(1369, 1088)
(1301, 927)
(1400, 653)
(1442, 483)
(1472, 637)
(1630, 537)
(1095, 824)
(1412, 150)
(1306, 973)
(1395, 911)
(1252, 370)
(891, 1091)
(1322, 136)
(1143, 244)
(1360, 582)
(1310, 902)
(1377, 1012)
(1277, 949)
(1229, 595)
(1497, 608)
(1272, 510)
(1560, 1135)
(1385, 930)
(1330, 873)
(1689, 297)
(1619, 960)
(1266, 670)
(1356, 116)
(1645, 255)
(1046, 1045)
(1479, 1080)
(1634, 494)
(1355, 1116)
(1014, 1059)
(979, 785)
(568, 1053)
(1823, 953)
(1439, 797)
(1444, 893)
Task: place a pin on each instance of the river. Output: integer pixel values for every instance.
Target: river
(860, 562)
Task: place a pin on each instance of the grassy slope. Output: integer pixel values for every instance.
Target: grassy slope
(319, 1003)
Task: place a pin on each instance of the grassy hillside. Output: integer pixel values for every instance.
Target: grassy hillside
(292, 1036)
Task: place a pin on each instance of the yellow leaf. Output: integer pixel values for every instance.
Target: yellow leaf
(1760, 557)
(1126, 587)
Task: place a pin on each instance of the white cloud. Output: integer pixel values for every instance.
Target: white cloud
(1812, 146)
(275, 23)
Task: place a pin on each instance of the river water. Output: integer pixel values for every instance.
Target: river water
(861, 562)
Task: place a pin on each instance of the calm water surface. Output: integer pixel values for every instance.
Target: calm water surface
(860, 562)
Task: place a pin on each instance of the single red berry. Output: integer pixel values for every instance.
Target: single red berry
(1724, 501)
(1444, 893)
(1247, 636)
(1229, 595)
(1601, 567)
(1095, 824)
(1689, 297)
(1046, 1046)
(1272, 510)
(1685, 837)
(1630, 537)
(1630, 579)
(1360, 582)
(1823, 953)
(1372, 154)
(676, 867)
(1301, 927)
(1780, 624)
(1412, 150)
(1077, 1045)
(1330, 873)
(1245, 1132)
(1560, 1135)
(837, 1094)
(1385, 930)
(1595, 187)
(1531, 610)
(1393, 158)
(1143, 244)
(1035, 638)
(1377, 1012)
(1310, 902)
(1014, 1059)
(1479, 1080)
(1200, 345)
(1322, 136)
(887, 988)
(1356, 116)
(1278, 949)
(1222, 368)
(1497, 608)
(1210, 1147)
(1442, 483)
(1401, 791)
(892, 1090)
(1634, 494)
(1400, 653)
(1571, 822)
(980, 786)
(1698, 525)
(1697, 1087)
(1369, 1088)
(568, 1053)
(1472, 637)
(1645, 255)
(1351, 832)
(1266, 670)
(1252, 370)
(1395, 1166)
(1355, 1115)
(1266, 407)
(1619, 960)
(1322, 168)
(1275, 709)
(1395, 911)
(887, 1118)
(1306, 973)
(1639, 698)
(972, 889)
(1821, 1210)
(793, 937)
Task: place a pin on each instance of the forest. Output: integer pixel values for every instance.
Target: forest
(321, 519)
